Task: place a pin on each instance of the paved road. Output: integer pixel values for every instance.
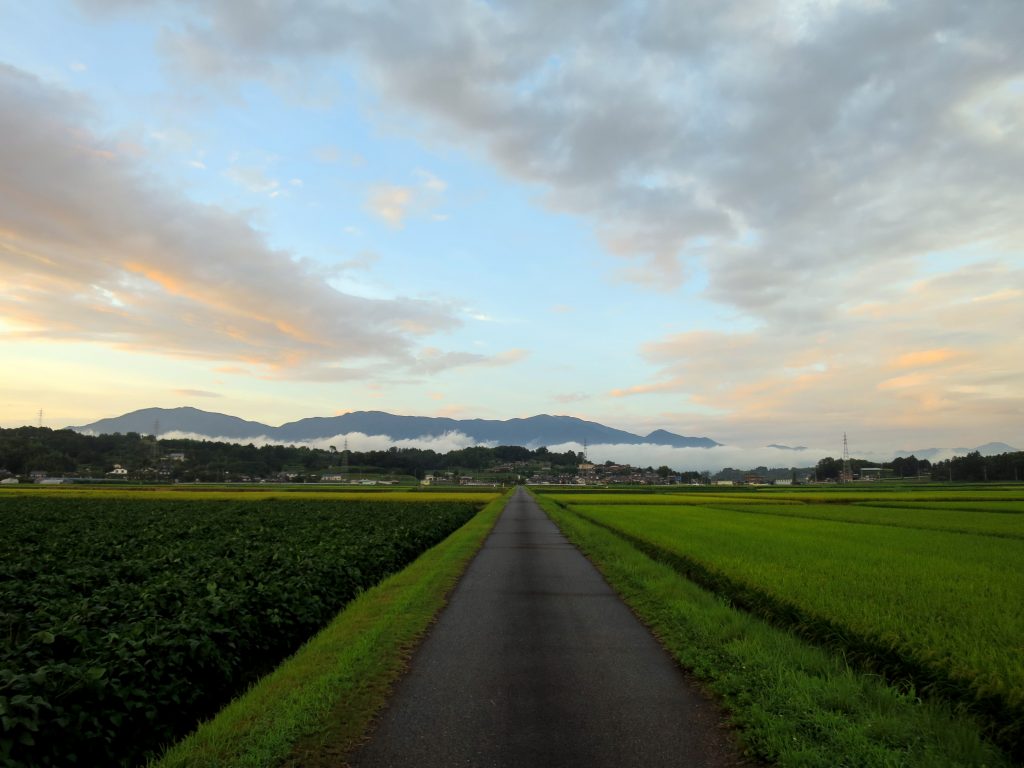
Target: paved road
(536, 662)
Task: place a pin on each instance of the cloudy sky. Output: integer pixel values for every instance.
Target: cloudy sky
(764, 222)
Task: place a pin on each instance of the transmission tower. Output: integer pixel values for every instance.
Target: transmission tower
(344, 463)
(847, 472)
(40, 417)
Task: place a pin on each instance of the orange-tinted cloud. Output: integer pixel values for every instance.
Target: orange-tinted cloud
(923, 358)
(89, 251)
(926, 361)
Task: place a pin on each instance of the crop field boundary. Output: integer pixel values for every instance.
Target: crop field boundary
(316, 706)
(795, 703)
(743, 509)
(1003, 722)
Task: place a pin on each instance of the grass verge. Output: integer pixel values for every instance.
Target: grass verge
(316, 706)
(794, 704)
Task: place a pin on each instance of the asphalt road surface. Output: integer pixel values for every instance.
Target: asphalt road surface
(536, 662)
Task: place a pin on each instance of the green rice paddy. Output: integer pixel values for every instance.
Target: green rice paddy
(925, 587)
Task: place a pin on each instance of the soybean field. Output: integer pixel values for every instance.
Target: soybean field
(126, 618)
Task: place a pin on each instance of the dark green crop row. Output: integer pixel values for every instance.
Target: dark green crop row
(124, 621)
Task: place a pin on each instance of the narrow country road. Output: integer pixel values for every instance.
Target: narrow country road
(536, 662)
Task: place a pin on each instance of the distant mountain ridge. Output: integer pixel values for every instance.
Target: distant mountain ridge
(988, 449)
(533, 431)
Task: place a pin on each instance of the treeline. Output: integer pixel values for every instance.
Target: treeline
(63, 452)
(972, 468)
(977, 468)
(901, 468)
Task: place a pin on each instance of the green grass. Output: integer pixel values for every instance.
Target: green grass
(794, 704)
(314, 708)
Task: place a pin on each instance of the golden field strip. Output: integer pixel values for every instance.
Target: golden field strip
(257, 493)
(926, 586)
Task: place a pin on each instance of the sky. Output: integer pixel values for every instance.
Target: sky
(761, 222)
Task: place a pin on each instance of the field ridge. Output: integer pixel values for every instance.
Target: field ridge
(744, 509)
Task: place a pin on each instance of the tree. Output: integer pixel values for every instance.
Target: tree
(828, 469)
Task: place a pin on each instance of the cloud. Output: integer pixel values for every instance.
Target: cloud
(327, 154)
(431, 182)
(509, 357)
(330, 154)
(253, 179)
(91, 249)
(812, 162)
(362, 261)
(701, 459)
(357, 441)
(196, 393)
(924, 357)
(433, 360)
(789, 149)
(394, 203)
(642, 455)
(390, 203)
(570, 397)
(927, 362)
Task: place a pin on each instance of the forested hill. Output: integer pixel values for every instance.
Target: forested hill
(64, 452)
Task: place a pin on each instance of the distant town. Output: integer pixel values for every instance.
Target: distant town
(43, 456)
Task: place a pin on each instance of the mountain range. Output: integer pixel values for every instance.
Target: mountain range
(988, 449)
(532, 432)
